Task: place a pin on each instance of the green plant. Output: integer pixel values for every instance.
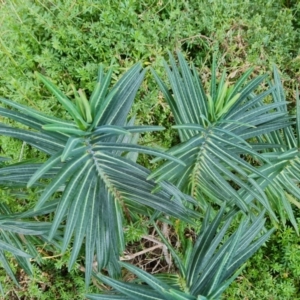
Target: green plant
(87, 163)
(232, 148)
(272, 272)
(223, 134)
(204, 274)
(68, 39)
(20, 238)
(285, 160)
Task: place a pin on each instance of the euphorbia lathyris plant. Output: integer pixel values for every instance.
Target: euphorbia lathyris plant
(233, 139)
(204, 274)
(232, 149)
(86, 161)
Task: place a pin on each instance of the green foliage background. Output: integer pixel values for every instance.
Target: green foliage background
(67, 40)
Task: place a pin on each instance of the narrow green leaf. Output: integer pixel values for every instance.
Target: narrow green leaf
(21, 118)
(220, 100)
(134, 291)
(156, 284)
(204, 241)
(107, 297)
(69, 197)
(237, 86)
(111, 129)
(247, 253)
(244, 93)
(90, 238)
(67, 104)
(63, 129)
(100, 113)
(173, 252)
(61, 177)
(222, 287)
(246, 150)
(123, 95)
(227, 258)
(7, 268)
(104, 146)
(86, 106)
(189, 90)
(175, 79)
(36, 114)
(168, 97)
(41, 141)
(79, 214)
(71, 144)
(213, 82)
(100, 91)
(50, 163)
(143, 128)
(178, 295)
(7, 247)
